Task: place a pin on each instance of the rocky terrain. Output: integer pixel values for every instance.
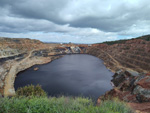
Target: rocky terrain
(131, 54)
(19, 54)
(129, 59)
(131, 88)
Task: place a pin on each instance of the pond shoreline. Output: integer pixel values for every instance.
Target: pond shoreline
(67, 69)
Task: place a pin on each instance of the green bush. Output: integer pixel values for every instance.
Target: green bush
(115, 106)
(30, 90)
(146, 38)
(115, 42)
(60, 105)
(33, 99)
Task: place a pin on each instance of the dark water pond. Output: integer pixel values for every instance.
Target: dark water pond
(72, 75)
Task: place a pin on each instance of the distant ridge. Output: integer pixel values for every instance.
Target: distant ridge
(145, 37)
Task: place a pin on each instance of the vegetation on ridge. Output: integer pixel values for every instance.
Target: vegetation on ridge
(146, 38)
(115, 42)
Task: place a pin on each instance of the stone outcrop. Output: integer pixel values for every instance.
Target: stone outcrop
(131, 88)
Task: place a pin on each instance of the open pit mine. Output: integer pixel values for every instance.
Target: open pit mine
(128, 59)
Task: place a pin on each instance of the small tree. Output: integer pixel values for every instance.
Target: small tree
(31, 90)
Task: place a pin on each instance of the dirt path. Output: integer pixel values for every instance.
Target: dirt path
(12, 73)
(116, 62)
(122, 67)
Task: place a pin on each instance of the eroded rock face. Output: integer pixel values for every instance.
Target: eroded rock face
(129, 88)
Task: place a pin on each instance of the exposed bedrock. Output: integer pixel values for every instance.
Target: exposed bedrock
(129, 87)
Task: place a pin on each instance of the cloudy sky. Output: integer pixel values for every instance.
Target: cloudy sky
(78, 21)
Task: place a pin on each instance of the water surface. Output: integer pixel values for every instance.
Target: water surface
(74, 75)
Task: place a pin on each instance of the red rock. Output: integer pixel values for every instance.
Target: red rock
(144, 83)
(142, 107)
(148, 74)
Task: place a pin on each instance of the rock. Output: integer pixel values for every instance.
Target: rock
(117, 79)
(99, 101)
(141, 107)
(130, 88)
(123, 80)
(1, 83)
(36, 68)
(141, 91)
(145, 82)
(148, 74)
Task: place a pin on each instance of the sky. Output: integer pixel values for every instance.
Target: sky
(76, 21)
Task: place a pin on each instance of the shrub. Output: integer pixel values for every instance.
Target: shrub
(115, 106)
(30, 90)
(115, 42)
(60, 105)
(33, 99)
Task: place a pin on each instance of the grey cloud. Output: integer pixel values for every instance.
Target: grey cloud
(85, 18)
(108, 25)
(120, 17)
(16, 24)
(39, 9)
(5, 2)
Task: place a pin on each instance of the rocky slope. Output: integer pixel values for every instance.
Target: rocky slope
(129, 54)
(131, 88)
(130, 60)
(132, 57)
(19, 54)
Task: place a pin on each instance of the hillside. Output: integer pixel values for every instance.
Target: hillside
(126, 54)
(130, 57)
(130, 60)
(145, 37)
